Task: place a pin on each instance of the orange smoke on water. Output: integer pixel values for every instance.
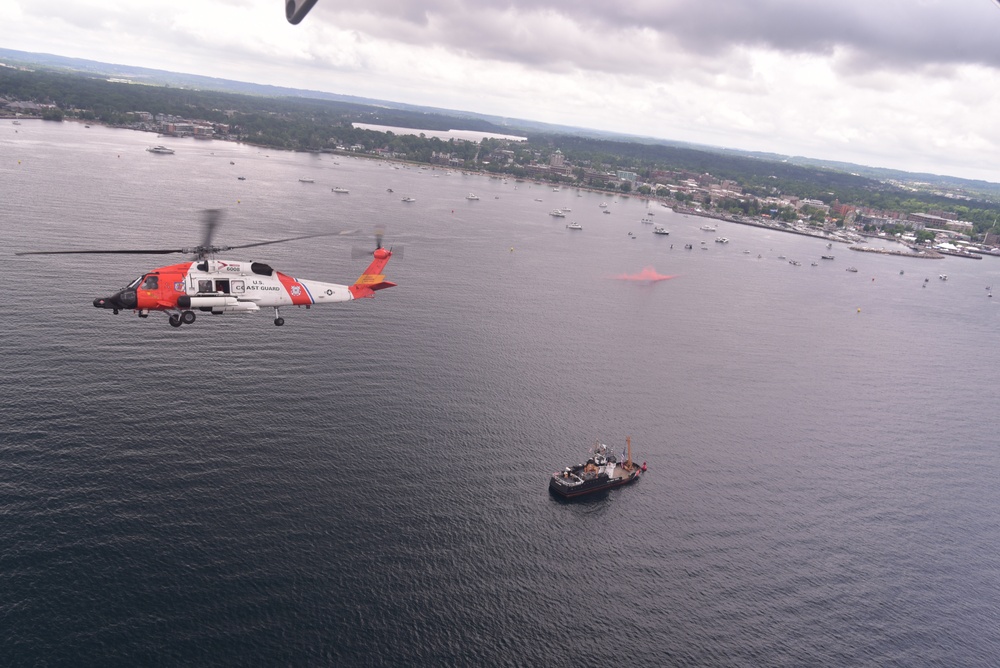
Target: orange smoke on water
(648, 275)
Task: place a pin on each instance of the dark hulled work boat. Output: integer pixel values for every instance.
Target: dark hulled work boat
(603, 470)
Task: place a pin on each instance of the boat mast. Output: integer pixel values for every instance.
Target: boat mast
(628, 462)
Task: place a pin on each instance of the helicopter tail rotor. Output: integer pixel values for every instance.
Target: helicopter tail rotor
(361, 252)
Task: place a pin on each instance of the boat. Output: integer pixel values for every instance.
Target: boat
(708, 228)
(688, 246)
(605, 211)
(557, 213)
(160, 149)
(646, 221)
(826, 257)
(471, 196)
(659, 229)
(722, 240)
(574, 226)
(306, 181)
(603, 205)
(795, 263)
(409, 199)
(852, 270)
(241, 178)
(602, 470)
(388, 190)
(16, 122)
(943, 277)
(342, 191)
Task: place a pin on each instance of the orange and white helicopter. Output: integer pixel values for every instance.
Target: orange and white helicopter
(216, 286)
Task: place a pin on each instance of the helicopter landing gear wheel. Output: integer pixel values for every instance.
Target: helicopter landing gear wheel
(278, 320)
(187, 317)
(175, 320)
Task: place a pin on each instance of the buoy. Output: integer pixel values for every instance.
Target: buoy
(511, 249)
(859, 309)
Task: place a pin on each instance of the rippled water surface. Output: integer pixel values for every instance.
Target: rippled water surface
(367, 484)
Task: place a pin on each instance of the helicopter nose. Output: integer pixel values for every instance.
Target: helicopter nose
(124, 299)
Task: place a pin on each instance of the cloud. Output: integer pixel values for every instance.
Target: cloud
(616, 37)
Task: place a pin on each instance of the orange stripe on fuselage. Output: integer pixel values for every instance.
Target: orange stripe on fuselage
(166, 293)
(296, 291)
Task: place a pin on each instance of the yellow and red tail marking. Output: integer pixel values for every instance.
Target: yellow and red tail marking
(372, 279)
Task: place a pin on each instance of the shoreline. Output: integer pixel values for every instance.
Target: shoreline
(669, 203)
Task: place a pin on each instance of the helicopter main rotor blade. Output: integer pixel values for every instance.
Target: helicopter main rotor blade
(212, 218)
(118, 252)
(281, 241)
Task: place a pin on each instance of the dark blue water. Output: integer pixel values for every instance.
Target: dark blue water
(367, 484)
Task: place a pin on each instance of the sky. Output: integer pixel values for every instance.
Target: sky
(904, 84)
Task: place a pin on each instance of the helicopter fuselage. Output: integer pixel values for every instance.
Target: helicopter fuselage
(218, 286)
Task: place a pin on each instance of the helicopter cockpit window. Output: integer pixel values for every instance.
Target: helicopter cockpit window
(152, 282)
(134, 284)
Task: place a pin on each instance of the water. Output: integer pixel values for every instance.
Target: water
(367, 484)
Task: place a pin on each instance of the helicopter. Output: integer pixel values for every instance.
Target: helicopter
(210, 285)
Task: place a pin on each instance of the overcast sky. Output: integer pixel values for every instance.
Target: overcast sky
(908, 84)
